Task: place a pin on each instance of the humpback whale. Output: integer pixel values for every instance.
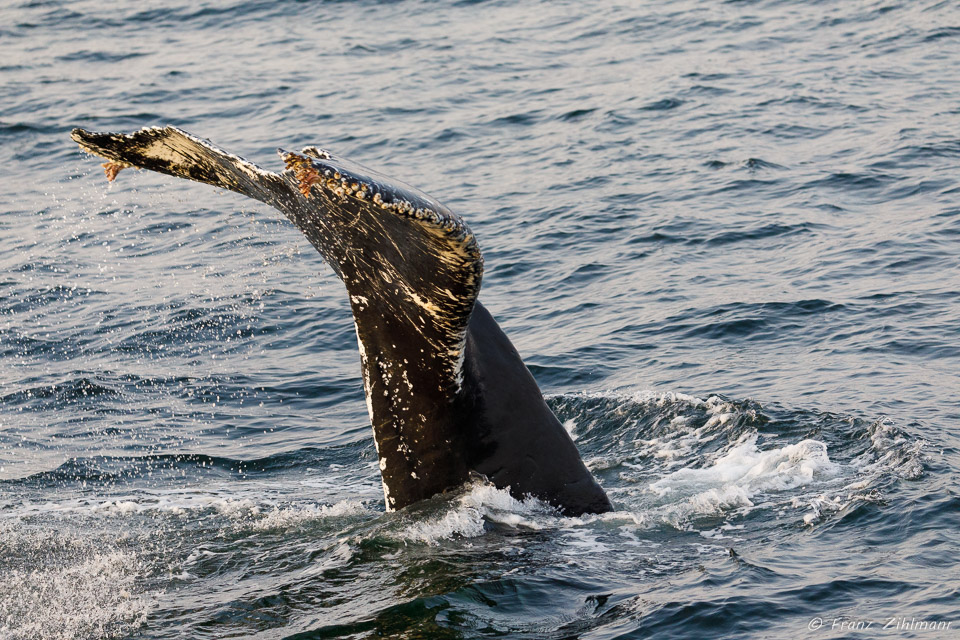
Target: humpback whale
(447, 393)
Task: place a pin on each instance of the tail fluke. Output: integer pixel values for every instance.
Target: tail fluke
(177, 153)
(412, 269)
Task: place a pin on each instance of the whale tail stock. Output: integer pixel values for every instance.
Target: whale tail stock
(413, 271)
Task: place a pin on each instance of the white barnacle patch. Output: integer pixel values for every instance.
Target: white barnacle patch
(365, 373)
(385, 373)
(458, 368)
(383, 464)
(387, 500)
(316, 152)
(413, 474)
(251, 170)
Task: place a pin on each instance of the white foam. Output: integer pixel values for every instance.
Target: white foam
(481, 501)
(243, 512)
(744, 471)
(678, 438)
(74, 590)
(122, 507)
(732, 480)
(287, 517)
(891, 450)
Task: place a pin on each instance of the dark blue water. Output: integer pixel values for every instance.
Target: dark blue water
(724, 236)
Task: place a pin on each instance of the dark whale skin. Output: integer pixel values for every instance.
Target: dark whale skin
(515, 439)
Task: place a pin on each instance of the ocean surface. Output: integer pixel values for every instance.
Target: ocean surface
(725, 237)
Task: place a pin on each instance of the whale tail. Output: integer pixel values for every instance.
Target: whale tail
(446, 392)
(175, 152)
(411, 267)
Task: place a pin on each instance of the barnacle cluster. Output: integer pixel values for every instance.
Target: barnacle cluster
(309, 175)
(112, 169)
